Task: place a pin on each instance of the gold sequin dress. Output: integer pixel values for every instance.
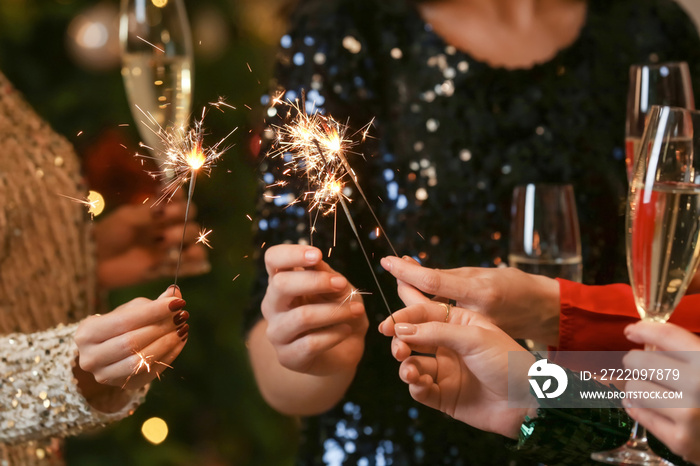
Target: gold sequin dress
(47, 285)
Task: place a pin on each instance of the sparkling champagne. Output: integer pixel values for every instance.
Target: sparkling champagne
(662, 237)
(568, 268)
(161, 87)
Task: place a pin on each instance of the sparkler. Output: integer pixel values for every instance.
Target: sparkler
(318, 145)
(182, 156)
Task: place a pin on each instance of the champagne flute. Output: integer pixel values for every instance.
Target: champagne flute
(544, 236)
(653, 84)
(157, 65)
(663, 227)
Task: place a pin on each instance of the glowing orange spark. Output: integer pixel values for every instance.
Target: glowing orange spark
(147, 362)
(202, 238)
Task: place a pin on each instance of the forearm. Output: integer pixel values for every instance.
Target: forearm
(40, 396)
(290, 392)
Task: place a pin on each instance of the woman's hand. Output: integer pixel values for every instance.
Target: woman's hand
(316, 320)
(130, 346)
(468, 376)
(522, 304)
(138, 243)
(677, 427)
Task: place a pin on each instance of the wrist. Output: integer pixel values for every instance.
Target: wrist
(547, 301)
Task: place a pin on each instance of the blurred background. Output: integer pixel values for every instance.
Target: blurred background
(63, 55)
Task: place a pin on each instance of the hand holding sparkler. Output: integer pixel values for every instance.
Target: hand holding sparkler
(315, 318)
(318, 145)
(134, 244)
(129, 347)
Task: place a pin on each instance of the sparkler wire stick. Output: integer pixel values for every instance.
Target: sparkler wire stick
(190, 191)
(353, 177)
(359, 240)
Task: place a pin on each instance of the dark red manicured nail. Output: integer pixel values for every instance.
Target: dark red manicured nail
(176, 304)
(181, 317)
(182, 331)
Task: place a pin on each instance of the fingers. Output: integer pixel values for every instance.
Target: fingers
(431, 281)
(410, 294)
(141, 366)
(137, 313)
(298, 354)
(290, 326)
(676, 428)
(416, 368)
(96, 355)
(463, 339)
(173, 211)
(289, 256)
(285, 287)
(665, 336)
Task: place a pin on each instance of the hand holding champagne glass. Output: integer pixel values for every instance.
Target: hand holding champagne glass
(657, 84)
(663, 228)
(157, 64)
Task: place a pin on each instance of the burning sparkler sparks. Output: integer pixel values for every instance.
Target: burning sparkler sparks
(147, 362)
(202, 237)
(318, 145)
(182, 156)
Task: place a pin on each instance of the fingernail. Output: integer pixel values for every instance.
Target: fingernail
(386, 263)
(405, 329)
(176, 304)
(312, 255)
(174, 286)
(181, 317)
(626, 403)
(380, 327)
(338, 282)
(183, 330)
(407, 258)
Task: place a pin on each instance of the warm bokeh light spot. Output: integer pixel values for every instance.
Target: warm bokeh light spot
(96, 203)
(155, 430)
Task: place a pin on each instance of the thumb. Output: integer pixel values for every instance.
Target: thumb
(173, 291)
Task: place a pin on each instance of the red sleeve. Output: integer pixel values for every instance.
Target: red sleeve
(592, 318)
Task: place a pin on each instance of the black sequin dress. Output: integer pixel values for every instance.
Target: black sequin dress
(451, 138)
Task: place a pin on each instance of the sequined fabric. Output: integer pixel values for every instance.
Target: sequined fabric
(47, 284)
(451, 138)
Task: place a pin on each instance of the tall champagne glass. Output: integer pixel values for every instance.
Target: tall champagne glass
(544, 236)
(157, 64)
(663, 225)
(653, 84)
